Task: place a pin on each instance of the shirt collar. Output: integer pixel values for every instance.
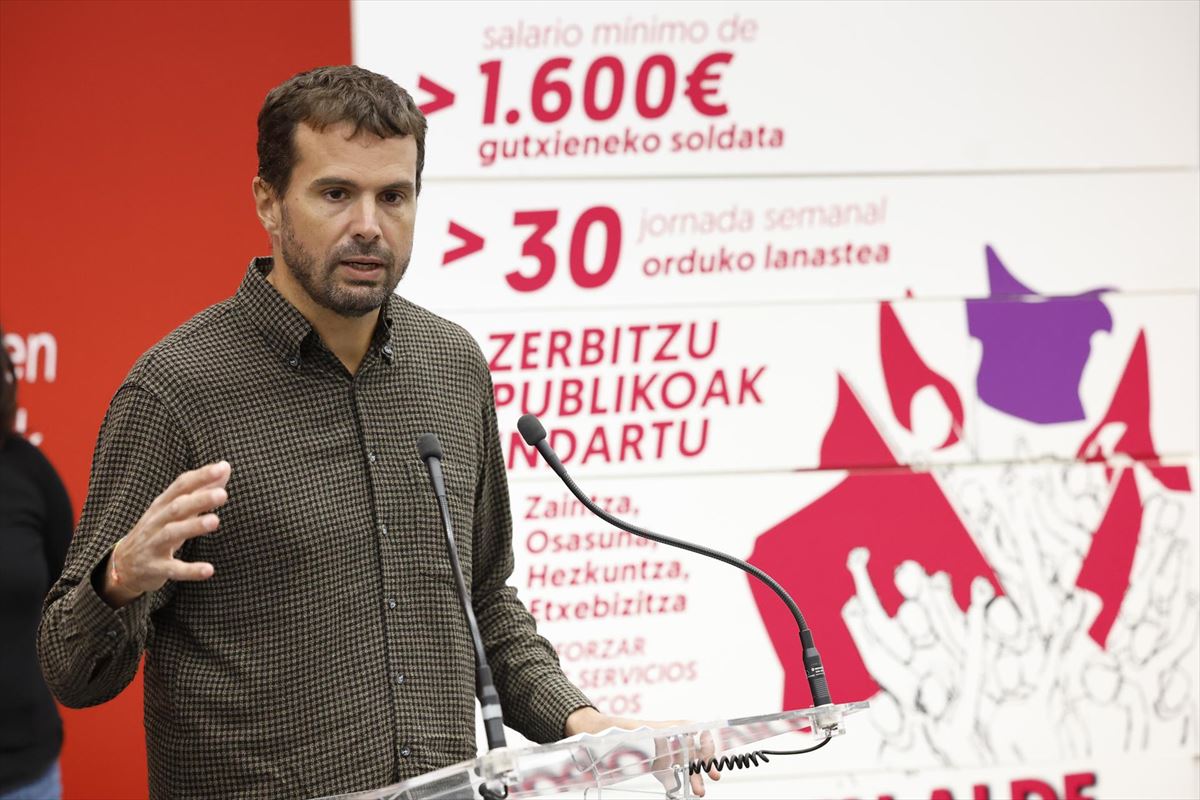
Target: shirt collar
(285, 328)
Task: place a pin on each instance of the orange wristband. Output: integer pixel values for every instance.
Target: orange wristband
(112, 563)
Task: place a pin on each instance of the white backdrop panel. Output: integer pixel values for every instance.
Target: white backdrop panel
(658, 242)
(702, 389)
(658, 633)
(806, 87)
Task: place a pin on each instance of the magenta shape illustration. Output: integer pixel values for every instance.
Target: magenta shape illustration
(1130, 409)
(906, 373)
(1034, 347)
(870, 508)
(1109, 561)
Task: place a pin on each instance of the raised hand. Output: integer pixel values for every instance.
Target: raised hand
(144, 559)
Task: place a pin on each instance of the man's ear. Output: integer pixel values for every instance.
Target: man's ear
(267, 204)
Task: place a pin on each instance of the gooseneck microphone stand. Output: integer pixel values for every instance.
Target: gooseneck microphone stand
(430, 450)
(535, 436)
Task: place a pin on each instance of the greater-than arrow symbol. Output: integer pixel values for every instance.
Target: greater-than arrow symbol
(471, 243)
(442, 97)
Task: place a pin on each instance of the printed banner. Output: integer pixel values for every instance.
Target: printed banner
(762, 88)
(1045, 611)
(835, 385)
(532, 244)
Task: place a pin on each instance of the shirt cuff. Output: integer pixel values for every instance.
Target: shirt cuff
(554, 699)
(93, 618)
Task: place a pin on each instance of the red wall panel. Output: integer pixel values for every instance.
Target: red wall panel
(126, 152)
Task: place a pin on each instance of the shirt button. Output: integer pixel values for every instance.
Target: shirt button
(400, 679)
(293, 361)
(383, 529)
(111, 634)
(371, 457)
(391, 602)
(387, 350)
(405, 752)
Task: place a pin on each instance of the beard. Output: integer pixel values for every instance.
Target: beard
(320, 281)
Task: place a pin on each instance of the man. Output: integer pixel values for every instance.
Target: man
(257, 520)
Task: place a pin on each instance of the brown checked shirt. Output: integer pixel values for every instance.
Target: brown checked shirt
(328, 653)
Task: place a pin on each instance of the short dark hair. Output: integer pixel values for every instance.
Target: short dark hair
(326, 96)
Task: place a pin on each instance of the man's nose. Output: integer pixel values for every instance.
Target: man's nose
(364, 222)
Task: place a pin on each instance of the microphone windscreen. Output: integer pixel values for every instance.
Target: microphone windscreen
(429, 447)
(531, 430)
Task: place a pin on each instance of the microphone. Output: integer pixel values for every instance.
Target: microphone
(535, 436)
(430, 451)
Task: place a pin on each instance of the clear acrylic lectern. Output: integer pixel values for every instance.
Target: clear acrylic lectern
(643, 761)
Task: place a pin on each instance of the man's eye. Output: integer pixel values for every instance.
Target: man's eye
(393, 197)
(336, 194)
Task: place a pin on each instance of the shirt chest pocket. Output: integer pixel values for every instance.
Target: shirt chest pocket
(426, 536)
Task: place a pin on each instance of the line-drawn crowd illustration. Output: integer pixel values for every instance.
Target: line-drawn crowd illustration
(1017, 677)
(1067, 625)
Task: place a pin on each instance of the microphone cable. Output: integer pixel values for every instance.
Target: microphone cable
(746, 760)
(535, 436)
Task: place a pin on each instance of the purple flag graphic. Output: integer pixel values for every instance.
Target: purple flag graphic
(1034, 347)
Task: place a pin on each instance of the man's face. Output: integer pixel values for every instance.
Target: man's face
(345, 224)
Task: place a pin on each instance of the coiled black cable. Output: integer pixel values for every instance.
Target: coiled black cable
(747, 760)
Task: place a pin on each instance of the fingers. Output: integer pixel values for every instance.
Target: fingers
(708, 750)
(697, 780)
(190, 528)
(181, 512)
(705, 752)
(193, 503)
(209, 475)
(188, 570)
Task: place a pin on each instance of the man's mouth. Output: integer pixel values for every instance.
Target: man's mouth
(363, 264)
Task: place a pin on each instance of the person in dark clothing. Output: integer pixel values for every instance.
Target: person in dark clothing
(35, 529)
